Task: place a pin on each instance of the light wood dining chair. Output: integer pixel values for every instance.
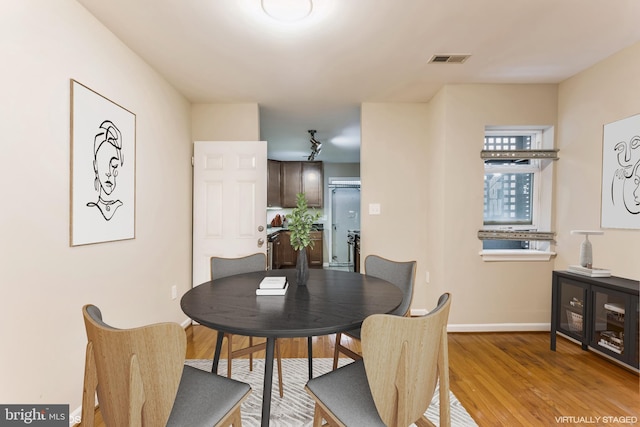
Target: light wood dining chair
(404, 358)
(224, 267)
(141, 380)
(401, 274)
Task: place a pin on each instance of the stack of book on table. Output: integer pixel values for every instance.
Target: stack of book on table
(591, 272)
(274, 285)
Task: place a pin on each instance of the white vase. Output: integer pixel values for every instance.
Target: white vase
(586, 254)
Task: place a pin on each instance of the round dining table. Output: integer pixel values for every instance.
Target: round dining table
(331, 301)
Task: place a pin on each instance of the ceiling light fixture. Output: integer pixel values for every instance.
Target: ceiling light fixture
(316, 146)
(287, 10)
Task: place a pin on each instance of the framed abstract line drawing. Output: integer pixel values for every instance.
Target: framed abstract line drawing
(103, 168)
(621, 174)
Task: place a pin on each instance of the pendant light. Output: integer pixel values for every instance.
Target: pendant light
(316, 146)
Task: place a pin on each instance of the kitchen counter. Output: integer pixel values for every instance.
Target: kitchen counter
(273, 230)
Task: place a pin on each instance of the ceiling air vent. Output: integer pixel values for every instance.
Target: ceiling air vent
(451, 59)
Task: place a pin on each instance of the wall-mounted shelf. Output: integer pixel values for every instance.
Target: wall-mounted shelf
(516, 235)
(519, 154)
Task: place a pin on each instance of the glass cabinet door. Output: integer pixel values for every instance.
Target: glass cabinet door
(602, 314)
(572, 308)
(635, 333)
(609, 317)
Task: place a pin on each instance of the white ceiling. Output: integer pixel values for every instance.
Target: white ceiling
(315, 74)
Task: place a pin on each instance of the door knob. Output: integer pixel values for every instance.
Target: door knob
(260, 242)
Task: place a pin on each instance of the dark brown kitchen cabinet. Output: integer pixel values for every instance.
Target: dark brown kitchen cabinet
(314, 252)
(312, 183)
(286, 254)
(274, 198)
(291, 182)
(301, 177)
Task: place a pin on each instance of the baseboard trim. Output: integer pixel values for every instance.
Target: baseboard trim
(75, 417)
(500, 327)
(474, 327)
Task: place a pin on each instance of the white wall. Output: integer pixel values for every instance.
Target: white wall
(225, 122)
(45, 282)
(485, 293)
(604, 93)
(422, 163)
(393, 174)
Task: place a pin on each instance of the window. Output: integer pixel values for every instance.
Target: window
(517, 188)
(509, 183)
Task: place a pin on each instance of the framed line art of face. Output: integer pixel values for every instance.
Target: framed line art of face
(103, 154)
(621, 174)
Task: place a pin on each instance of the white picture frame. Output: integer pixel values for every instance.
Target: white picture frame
(621, 174)
(103, 168)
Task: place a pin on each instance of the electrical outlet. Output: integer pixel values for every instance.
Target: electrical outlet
(174, 292)
(374, 208)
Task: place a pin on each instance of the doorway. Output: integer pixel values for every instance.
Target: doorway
(345, 216)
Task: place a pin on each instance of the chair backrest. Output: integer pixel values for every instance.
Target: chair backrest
(404, 357)
(137, 370)
(401, 274)
(223, 267)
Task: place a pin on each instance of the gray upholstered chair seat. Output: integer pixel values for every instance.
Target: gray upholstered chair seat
(204, 398)
(404, 360)
(140, 379)
(401, 274)
(354, 333)
(345, 392)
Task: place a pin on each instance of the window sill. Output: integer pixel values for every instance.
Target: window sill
(515, 255)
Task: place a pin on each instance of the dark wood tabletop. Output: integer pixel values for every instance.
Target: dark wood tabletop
(332, 301)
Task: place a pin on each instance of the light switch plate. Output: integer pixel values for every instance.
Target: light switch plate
(374, 208)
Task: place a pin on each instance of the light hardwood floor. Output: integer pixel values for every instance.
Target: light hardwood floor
(506, 379)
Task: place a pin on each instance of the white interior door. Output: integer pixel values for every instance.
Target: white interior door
(229, 202)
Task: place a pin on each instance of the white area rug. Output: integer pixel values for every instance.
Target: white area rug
(295, 409)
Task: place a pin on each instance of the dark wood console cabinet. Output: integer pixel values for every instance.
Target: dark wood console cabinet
(600, 313)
